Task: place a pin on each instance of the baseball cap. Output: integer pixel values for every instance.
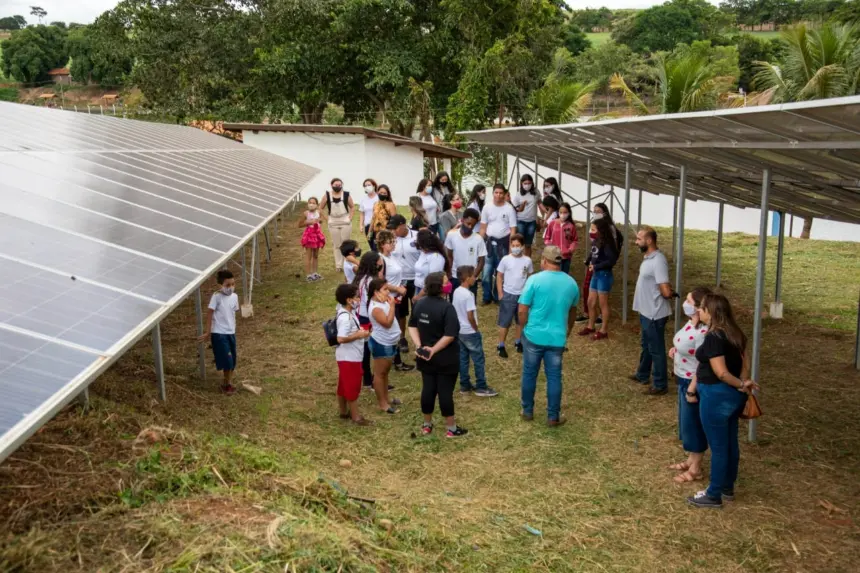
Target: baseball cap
(552, 254)
(395, 221)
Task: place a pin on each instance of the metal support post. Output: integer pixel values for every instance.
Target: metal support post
(626, 237)
(674, 231)
(257, 270)
(720, 246)
(536, 173)
(84, 398)
(278, 216)
(776, 307)
(639, 218)
(588, 205)
(857, 340)
(791, 227)
(159, 361)
(268, 247)
(201, 328)
(759, 290)
(518, 171)
(558, 175)
(679, 248)
(244, 275)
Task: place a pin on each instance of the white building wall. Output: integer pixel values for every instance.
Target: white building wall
(401, 168)
(657, 210)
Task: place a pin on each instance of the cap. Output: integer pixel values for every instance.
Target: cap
(552, 254)
(395, 221)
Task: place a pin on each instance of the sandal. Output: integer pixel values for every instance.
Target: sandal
(687, 477)
(362, 422)
(680, 467)
(345, 416)
(396, 402)
(391, 410)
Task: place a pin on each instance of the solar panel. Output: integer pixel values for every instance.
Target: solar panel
(106, 225)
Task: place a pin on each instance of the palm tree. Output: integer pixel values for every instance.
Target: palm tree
(818, 63)
(685, 82)
(561, 100)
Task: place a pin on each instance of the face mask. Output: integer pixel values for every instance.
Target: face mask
(443, 183)
(456, 204)
(337, 188)
(689, 309)
(357, 253)
(482, 196)
(644, 248)
(383, 197)
(547, 190)
(368, 188)
(593, 236)
(516, 251)
(527, 187)
(447, 288)
(313, 207)
(428, 190)
(227, 291)
(597, 216)
(466, 231)
(564, 216)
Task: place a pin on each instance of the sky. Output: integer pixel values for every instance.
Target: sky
(85, 11)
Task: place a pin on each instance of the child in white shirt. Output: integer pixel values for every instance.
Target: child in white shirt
(221, 328)
(349, 353)
(511, 276)
(471, 342)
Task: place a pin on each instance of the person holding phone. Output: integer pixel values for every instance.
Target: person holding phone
(434, 328)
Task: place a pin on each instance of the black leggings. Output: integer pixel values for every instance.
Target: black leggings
(441, 385)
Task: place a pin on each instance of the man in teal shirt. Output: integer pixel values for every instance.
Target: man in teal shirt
(547, 309)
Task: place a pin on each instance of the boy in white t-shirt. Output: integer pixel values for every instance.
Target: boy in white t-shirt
(221, 328)
(511, 276)
(349, 353)
(471, 342)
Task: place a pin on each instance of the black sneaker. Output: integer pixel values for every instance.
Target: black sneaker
(486, 392)
(581, 318)
(502, 352)
(456, 432)
(404, 346)
(403, 367)
(465, 391)
(635, 378)
(598, 321)
(519, 346)
(729, 496)
(651, 391)
(701, 499)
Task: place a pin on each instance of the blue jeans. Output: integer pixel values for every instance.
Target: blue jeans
(472, 346)
(565, 266)
(551, 356)
(527, 230)
(690, 430)
(720, 407)
(653, 352)
(496, 250)
(371, 240)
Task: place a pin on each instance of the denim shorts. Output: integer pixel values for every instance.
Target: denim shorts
(224, 349)
(508, 307)
(527, 230)
(601, 282)
(378, 350)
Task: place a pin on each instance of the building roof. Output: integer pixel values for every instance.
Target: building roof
(429, 149)
(59, 72)
(812, 149)
(47, 96)
(107, 225)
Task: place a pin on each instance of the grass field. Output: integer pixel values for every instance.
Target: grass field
(600, 38)
(277, 483)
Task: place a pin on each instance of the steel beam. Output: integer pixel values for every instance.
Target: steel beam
(639, 218)
(755, 372)
(158, 358)
(720, 246)
(857, 340)
(679, 248)
(201, 328)
(588, 207)
(626, 239)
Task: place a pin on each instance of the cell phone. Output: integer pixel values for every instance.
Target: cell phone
(422, 352)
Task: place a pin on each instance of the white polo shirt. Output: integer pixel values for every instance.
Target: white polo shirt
(406, 252)
(529, 214)
(366, 206)
(499, 220)
(516, 271)
(224, 309)
(467, 250)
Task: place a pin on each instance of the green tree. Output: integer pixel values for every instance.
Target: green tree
(101, 52)
(591, 18)
(12, 23)
(600, 63)
(29, 54)
(751, 50)
(38, 12)
(575, 39)
(674, 22)
(560, 99)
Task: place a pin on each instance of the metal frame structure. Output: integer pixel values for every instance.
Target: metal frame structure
(802, 159)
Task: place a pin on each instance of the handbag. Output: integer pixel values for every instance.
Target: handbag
(752, 409)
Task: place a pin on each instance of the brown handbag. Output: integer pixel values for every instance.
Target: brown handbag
(752, 409)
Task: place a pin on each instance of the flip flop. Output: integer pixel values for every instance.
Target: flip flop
(396, 402)
(391, 410)
(345, 416)
(687, 477)
(680, 467)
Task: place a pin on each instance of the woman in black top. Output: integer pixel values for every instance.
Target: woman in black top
(434, 328)
(721, 388)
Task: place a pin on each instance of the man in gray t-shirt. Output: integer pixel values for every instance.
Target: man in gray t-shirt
(651, 301)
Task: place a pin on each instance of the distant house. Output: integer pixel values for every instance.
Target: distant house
(48, 100)
(61, 76)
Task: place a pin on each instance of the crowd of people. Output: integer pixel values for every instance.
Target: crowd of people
(419, 283)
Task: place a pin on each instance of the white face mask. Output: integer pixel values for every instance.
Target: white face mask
(564, 216)
(368, 188)
(689, 309)
(227, 291)
(527, 186)
(428, 190)
(547, 189)
(516, 251)
(482, 196)
(596, 216)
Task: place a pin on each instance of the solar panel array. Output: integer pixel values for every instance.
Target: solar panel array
(812, 149)
(106, 225)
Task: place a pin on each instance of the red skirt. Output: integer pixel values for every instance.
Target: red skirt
(349, 380)
(313, 237)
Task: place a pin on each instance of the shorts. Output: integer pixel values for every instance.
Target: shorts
(349, 375)
(402, 308)
(224, 349)
(508, 309)
(378, 350)
(601, 282)
(527, 230)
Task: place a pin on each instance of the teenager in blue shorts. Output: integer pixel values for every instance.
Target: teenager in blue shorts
(221, 328)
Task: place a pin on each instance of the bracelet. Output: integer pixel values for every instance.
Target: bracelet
(692, 394)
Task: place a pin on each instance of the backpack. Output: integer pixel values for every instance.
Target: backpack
(345, 200)
(330, 329)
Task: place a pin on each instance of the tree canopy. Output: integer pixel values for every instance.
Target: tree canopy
(30, 53)
(12, 23)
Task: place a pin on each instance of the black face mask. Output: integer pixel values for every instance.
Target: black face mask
(337, 188)
(644, 248)
(384, 197)
(357, 252)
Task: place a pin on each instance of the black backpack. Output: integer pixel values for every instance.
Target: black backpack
(330, 329)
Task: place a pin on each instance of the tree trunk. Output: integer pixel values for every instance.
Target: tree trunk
(807, 228)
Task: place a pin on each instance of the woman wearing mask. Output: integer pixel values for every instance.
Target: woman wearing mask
(562, 233)
(453, 206)
(429, 204)
(393, 273)
(383, 210)
(683, 353)
(442, 187)
(340, 210)
(604, 255)
(419, 215)
(477, 198)
(600, 211)
(549, 208)
(721, 387)
(526, 205)
(365, 210)
(550, 189)
(433, 259)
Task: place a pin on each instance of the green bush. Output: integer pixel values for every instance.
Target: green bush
(9, 94)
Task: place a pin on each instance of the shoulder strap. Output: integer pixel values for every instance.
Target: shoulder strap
(328, 202)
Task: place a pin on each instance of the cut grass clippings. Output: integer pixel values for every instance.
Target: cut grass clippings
(248, 483)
